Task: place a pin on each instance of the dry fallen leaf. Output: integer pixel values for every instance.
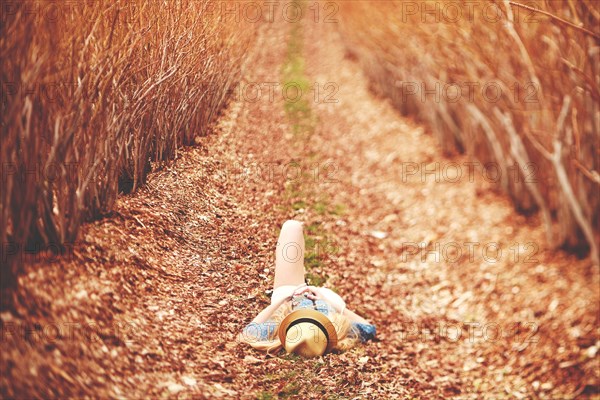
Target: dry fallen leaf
(175, 387)
(378, 234)
(188, 380)
(252, 360)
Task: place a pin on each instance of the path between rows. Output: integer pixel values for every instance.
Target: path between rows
(152, 298)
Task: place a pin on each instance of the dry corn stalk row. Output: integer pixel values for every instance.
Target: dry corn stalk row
(512, 84)
(91, 94)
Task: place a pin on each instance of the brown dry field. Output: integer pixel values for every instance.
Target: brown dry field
(154, 294)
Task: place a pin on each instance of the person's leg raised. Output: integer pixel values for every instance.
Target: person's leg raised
(289, 255)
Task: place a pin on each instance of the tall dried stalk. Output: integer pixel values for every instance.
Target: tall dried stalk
(91, 94)
(537, 54)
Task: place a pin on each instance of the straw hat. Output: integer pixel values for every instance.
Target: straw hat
(308, 333)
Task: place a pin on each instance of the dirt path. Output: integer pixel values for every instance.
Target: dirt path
(150, 301)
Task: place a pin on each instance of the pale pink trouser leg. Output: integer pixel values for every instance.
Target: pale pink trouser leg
(289, 255)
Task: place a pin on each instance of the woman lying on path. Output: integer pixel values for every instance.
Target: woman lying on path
(306, 320)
